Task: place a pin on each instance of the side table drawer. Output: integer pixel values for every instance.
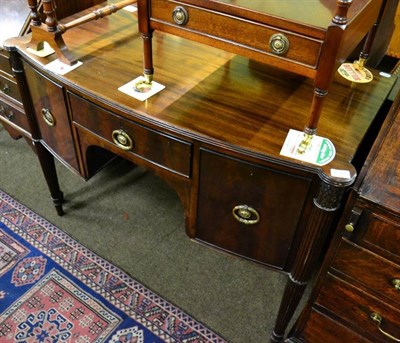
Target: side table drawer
(52, 116)
(254, 36)
(248, 209)
(370, 270)
(357, 307)
(133, 139)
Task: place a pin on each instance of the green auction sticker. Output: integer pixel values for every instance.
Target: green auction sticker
(326, 152)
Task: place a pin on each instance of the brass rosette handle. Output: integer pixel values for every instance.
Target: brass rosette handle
(122, 139)
(180, 15)
(246, 214)
(279, 44)
(48, 117)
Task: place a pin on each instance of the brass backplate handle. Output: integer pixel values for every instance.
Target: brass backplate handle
(122, 139)
(48, 117)
(246, 214)
(279, 44)
(377, 318)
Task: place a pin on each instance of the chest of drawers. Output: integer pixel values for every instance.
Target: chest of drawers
(357, 295)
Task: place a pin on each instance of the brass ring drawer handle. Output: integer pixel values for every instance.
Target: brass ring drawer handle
(180, 15)
(396, 284)
(48, 117)
(246, 214)
(122, 139)
(6, 88)
(279, 44)
(376, 317)
(10, 115)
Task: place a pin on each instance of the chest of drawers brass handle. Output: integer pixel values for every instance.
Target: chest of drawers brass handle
(396, 284)
(48, 117)
(376, 317)
(6, 88)
(122, 139)
(246, 214)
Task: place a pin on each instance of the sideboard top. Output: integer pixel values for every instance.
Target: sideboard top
(211, 95)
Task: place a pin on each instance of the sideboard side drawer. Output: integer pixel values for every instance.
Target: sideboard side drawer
(253, 36)
(233, 192)
(155, 147)
(49, 102)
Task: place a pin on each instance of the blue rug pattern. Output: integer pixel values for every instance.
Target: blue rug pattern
(53, 289)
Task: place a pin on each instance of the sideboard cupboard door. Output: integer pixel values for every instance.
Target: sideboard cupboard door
(52, 116)
(250, 210)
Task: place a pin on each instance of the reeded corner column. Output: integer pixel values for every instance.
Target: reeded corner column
(46, 159)
(326, 202)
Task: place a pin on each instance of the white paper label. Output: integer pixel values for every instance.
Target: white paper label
(320, 152)
(130, 89)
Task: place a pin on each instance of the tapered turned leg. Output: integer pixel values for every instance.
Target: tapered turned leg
(326, 70)
(147, 36)
(369, 40)
(46, 161)
(326, 202)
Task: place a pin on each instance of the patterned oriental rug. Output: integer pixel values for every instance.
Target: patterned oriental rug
(53, 289)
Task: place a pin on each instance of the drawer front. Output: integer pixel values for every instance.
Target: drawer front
(10, 88)
(383, 233)
(321, 328)
(368, 269)
(356, 308)
(133, 140)
(225, 28)
(5, 66)
(13, 115)
(52, 116)
(247, 209)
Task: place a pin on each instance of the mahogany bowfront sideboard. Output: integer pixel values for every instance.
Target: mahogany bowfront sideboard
(214, 134)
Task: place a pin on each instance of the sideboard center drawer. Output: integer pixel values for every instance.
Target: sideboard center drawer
(134, 139)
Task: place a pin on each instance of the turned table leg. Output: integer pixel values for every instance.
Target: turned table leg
(47, 164)
(46, 159)
(147, 36)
